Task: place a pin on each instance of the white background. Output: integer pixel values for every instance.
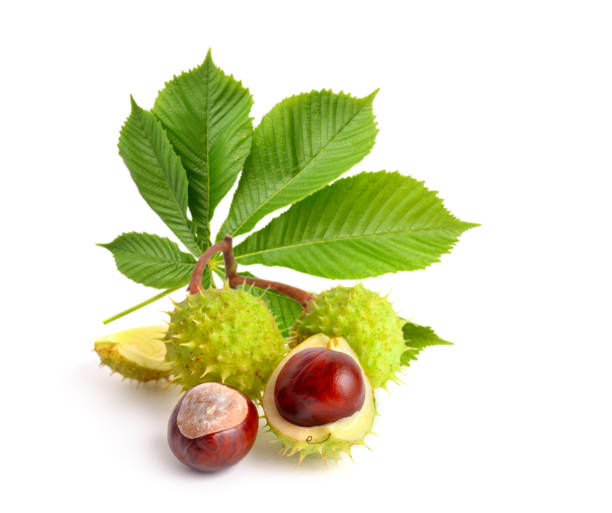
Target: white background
(503, 107)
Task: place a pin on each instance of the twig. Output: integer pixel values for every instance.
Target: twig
(234, 279)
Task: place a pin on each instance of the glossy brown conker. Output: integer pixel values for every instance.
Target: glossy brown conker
(317, 386)
(212, 427)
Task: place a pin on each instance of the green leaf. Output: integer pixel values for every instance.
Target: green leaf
(157, 171)
(301, 145)
(362, 226)
(151, 260)
(284, 309)
(417, 338)
(206, 115)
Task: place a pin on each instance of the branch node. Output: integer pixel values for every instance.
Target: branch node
(234, 279)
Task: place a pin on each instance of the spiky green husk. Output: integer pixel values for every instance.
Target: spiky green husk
(328, 448)
(366, 320)
(110, 357)
(136, 353)
(224, 335)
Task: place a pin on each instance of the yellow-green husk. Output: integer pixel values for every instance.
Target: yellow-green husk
(224, 335)
(137, 353)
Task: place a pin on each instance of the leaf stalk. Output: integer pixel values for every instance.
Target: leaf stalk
(140, 305)
(234, 279)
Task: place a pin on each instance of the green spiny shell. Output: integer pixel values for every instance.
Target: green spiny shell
(328, 448)
(224, 335)
(137, 353)
(366, 320)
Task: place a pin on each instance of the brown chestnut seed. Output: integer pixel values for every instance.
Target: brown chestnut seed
(318, 386)
(212, 427)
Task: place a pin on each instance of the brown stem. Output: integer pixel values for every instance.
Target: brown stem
(228, 257)
(299, 295)
(225, 245)
(234, 279)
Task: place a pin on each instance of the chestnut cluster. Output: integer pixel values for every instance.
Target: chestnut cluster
(316, 400)
(214, 426)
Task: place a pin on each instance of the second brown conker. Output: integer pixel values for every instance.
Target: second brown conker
(212, 427)
(317, 386)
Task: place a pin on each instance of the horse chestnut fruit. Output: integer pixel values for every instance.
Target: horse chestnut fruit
(212, 427)
(318, 386)
(318, 401)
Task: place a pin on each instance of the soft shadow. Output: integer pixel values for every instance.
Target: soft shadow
(155, 401)
(157, 397)
(127, 401)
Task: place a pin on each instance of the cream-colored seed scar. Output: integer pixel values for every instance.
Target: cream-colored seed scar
(210, 408)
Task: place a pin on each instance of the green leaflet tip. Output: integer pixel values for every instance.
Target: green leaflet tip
(135, 109)
(469, 226)
(372, 95)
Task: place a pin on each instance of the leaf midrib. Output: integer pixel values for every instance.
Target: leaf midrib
(342, 239)
(288, 182)
(206, 149)
(156, 259)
